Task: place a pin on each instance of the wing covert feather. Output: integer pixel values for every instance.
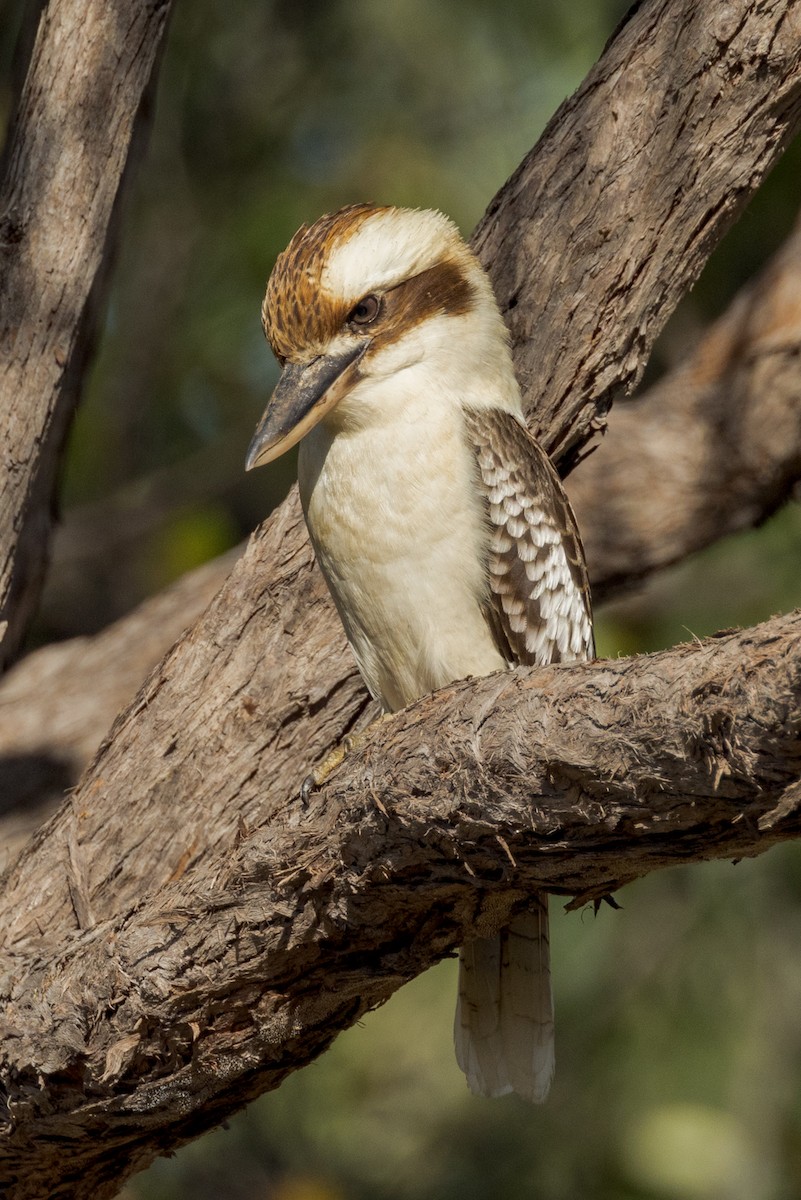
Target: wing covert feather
(539, 604)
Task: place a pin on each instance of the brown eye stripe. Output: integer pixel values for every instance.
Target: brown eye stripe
(443, 288)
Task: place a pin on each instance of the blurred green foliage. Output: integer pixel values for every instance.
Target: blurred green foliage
(679, 1018)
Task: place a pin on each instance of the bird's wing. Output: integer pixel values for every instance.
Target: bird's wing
(539, 606)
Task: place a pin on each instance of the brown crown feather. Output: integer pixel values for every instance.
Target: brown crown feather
(297, 314)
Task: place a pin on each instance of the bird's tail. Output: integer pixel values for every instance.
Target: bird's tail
(504, 1015)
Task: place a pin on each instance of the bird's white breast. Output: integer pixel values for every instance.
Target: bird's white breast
(399, 532)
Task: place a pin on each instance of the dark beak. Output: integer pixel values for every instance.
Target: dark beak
(302, 397)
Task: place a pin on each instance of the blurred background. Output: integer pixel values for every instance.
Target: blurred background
(679, 1017)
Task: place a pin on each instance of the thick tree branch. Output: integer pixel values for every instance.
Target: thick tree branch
(68, 150)
(161, 1018)
(56, 705)
(713, 448)
(610, 219)
(181, 943)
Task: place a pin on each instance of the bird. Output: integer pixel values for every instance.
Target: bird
(439, 523)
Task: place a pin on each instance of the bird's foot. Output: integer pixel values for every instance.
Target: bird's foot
(319, 775)
(332, 760)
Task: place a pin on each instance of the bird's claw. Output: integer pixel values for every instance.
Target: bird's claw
(307, 787)
(321, 774)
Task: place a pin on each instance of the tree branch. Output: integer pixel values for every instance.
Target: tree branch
(713, 448)
(161, 1019)
(56, 705)
(610, 219)
(68, 150)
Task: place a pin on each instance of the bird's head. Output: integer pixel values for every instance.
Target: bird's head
(362, 295)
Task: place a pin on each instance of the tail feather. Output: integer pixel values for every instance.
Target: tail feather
(504, 1029)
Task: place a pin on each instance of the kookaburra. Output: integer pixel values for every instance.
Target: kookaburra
(448, 544)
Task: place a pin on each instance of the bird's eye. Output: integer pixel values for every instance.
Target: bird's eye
(365, 312)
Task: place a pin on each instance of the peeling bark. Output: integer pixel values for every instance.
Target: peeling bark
(57, 704)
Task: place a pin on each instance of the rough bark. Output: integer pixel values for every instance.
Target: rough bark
(169, 1009)
(610, 219)
(57, 704)
(68, 149)
(150, 927)
(713, 448)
